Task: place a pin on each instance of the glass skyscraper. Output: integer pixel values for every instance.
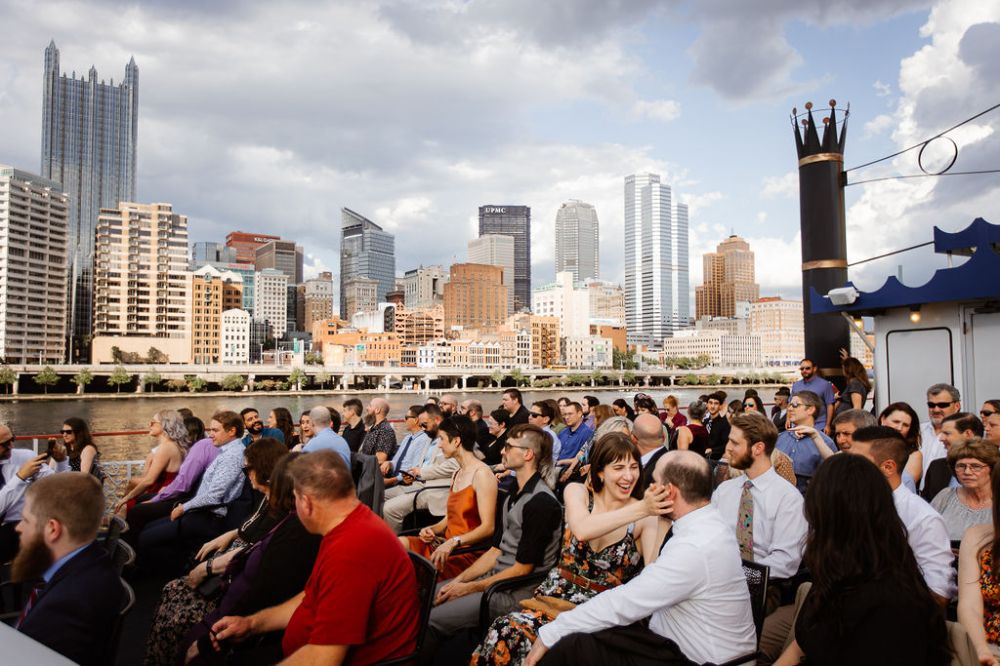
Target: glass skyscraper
(366, 251)
(577, 239)
(512, 221)
(657, 301)
(89, 134)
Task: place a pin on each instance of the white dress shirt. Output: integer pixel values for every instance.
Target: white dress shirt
(930, 447)
(12, 493)
(928, 537)
(779, 524)
(695, 594)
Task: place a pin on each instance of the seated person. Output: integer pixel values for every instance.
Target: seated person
(956, 429)
(472, 503)
(264, 575)
(163, 462)
(254, 428)
(972, 502)
(609, 534)
(222, 483)
(526, 538)
(802, 442)
(324, 426)
(694, 594)
(184, 601)
(19, 468)
(350, 611)
(872, 606)
(979, 584)
(574, 436)
(74, 609)
(410, 452)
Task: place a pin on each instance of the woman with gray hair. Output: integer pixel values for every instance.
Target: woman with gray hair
(164, 459)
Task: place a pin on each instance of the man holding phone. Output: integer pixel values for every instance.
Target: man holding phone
(18, 470)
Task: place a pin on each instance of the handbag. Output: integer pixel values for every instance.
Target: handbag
(213, 587)
(548, 606)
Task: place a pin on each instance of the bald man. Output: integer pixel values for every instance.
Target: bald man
(448, 405)
(380, 440)
(647, 433)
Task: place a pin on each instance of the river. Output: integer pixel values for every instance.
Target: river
(134, 413)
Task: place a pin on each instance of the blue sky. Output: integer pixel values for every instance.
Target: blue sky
(271, 117)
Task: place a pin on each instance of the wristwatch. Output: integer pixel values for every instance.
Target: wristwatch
(458, 541)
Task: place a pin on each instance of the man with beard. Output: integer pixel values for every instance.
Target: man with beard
(18, 468)
(255, 428)
(72, 611)
(763, 508)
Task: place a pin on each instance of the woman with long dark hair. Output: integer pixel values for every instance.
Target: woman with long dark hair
(281, 419)
(622, 408)
(901, 417)
(868, 603)
(858, 386)
(83, 454)
(979, 582)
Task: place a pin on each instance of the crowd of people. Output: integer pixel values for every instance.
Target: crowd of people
(618, 530)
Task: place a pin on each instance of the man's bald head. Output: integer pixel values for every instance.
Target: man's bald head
(6, 442)
(648, 431)
(448, 404)
(689, 473)
(379, 407)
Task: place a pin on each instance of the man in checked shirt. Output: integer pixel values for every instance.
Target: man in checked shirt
(380, 440)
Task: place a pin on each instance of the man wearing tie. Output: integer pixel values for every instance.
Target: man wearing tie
(72, 610)
(410, 452)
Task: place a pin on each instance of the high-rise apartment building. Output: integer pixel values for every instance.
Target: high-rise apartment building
(607, 303)
(360, 295)
(34, 219)
(656, 260)
(271, 300)
(211, 254)
(545, 338)
(316, 299)
(424, 287)
(561, 299)
(780, 325)
(246, 245)
(475, 297)
(212, 293)
(729, 280)
(283, 255)
(512, 221)
(578, 240)
(89, 135)
(366, 251)
(496, 250)
(234, 337)
(142, 294)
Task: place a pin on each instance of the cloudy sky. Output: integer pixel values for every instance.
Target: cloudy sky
(270, 117)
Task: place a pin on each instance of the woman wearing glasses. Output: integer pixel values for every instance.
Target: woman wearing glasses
(971, 503)
(83, 454)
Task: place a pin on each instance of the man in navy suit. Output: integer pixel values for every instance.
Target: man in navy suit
(73, 608)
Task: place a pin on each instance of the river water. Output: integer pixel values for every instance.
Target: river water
(134, 413)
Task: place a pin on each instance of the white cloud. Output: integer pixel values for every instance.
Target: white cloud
(781, 187)
(882, 89)
(761, 217)
(698, 202)
(878, 124)
(663, 110)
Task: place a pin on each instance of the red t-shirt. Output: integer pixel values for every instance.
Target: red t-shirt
(362, 592)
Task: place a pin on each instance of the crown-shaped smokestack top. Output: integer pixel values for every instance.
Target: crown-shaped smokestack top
(807, 139)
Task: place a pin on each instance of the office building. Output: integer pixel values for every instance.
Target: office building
(780, 325)
(424, 287)
(234, 337)
(545, 337)
(89, 135)
(578, 241)
(366, 251)
(245, 244)
(474, 297)
(419, 326)
(34, 244)
(271, 300)
(360, 295)
(512, 221)
(562, 300)
(656, 260)
(496, 250)
(142, 286)
(316, 299)
(607, 303)
(282, 255)
(212, 293)
(729, 282)
(211, 254)
(717, 347)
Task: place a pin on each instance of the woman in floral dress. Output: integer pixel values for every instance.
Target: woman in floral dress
(609, 532)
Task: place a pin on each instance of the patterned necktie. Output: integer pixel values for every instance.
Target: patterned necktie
(32, 598)
(744, 522)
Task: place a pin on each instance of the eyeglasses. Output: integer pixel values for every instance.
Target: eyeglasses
(410, 416)
(939, 405)
(508, 445)
(805, 367)
(796, 405)
(7, 442)
(749, 404)
(975, 468)
(66, 432)
(535, 414)
(986, 414)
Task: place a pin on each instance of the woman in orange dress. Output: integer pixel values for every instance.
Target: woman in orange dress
(471, 503)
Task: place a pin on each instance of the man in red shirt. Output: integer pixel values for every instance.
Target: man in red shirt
(360, 604)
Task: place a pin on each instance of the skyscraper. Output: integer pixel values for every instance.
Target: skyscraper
(366, 251)
(729, 280)
(203, 253)
(577, 240)
(475, 297)
(246, 244)
(283, 255)
(496, 250)
(89, 135)
(656, 260)
(512, 221)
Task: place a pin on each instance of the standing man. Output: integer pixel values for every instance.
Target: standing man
(325, 435)
(779, 413)
(19, 468)
(803, 443)
(574, 435)
(647, 433)
(354, 430)
(411, 450)
(763, 508)
(942, 400)
(848, 421)
(350, 611)
(380, 441)
(812, 382)
(717, 425)
(74, 609)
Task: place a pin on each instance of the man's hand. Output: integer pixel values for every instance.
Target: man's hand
(454, 590)
(231, 627)
(177, 512)
(538, 651)
(828, 430)
(30, 468)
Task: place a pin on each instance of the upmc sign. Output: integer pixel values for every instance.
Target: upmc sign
(490, 210)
